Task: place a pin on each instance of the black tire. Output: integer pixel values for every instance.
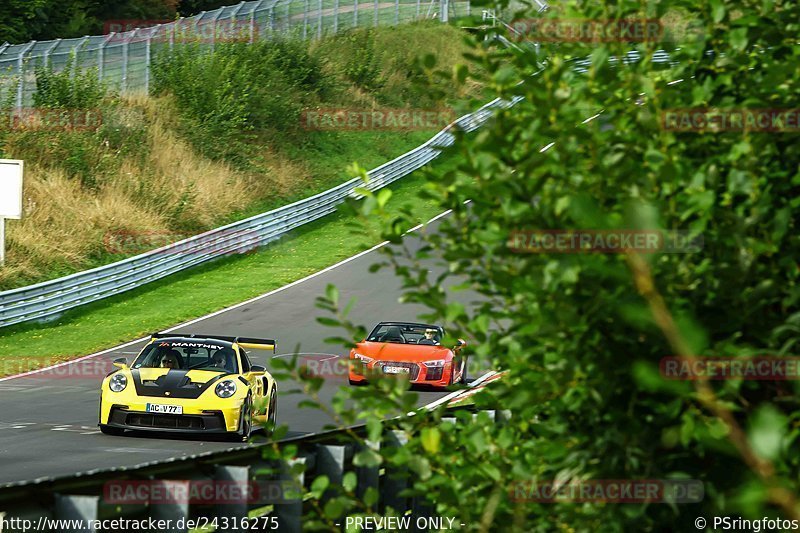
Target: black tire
(272, 413)
(246, 419)
(356, 383)
(108, 430)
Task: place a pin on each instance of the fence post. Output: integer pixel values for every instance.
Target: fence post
(396, 12)
(335, 16)
(46, 55)
(305, 18)
(101, 56)
(469, 7)
(147, 59)
(20, 68)
(375, 13)
(355, 13)
(444, 10)
(319, 19)
(125, 43)
(417, 9)
(214, 29)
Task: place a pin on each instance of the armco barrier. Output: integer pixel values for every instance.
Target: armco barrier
(49, 299)
(88, 497)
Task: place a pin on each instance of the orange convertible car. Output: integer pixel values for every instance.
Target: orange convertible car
(411, 349)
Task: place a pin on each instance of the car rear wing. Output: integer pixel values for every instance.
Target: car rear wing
(251, 343)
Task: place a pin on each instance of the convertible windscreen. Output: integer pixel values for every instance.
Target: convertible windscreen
(187, 355)
(406, 334)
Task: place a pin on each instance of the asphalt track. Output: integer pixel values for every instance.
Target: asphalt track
(48, 420)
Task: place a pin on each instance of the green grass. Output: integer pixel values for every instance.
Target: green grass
(201, 290)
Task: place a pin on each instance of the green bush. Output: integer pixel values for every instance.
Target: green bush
(581, 336)
(69, 88)
(240, 86)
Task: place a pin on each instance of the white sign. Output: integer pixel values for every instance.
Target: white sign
(10, 188)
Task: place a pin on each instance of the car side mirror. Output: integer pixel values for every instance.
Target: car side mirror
(258, 368)
(120, 363)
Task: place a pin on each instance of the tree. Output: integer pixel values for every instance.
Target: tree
(581, 336)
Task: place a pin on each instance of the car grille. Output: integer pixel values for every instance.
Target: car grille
(165, 421)
(413, 367)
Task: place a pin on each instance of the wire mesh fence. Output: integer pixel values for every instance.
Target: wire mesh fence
(122, 59)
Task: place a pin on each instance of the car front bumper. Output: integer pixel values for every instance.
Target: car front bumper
(418, 373)
(134, 415)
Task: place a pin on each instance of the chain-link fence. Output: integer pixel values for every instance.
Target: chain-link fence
(122, 59)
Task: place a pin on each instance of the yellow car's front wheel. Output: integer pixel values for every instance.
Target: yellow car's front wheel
(245, 419)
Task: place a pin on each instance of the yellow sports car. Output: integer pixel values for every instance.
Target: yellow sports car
(190, 383)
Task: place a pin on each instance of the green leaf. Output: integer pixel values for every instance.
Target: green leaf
(332, 293)
(766, 432)
(349, 481)
(431, 438)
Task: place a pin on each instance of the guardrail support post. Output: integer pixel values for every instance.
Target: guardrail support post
(444, 10)
(81, 508)
(368, 476)
(290, 514)
(330, 462)
(235, 475)
(174, 512)
(395, 480)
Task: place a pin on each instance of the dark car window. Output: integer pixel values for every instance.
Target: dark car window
(245, 361)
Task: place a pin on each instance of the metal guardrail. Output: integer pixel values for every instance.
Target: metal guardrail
(122, 60)
(268, 491)
(51, 298)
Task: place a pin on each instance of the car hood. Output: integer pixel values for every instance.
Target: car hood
(412, 353)
(186, 384)
(195, 376)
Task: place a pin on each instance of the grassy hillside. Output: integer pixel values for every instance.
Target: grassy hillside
(219, 138)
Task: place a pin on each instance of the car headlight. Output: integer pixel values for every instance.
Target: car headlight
(435, 364)
(226, 389)
(363, 358)
(118, 382)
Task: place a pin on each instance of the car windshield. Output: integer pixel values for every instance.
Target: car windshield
(188, 355)
(406, 334)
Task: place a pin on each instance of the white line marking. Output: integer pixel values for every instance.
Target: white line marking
(225, 310)
(453, 394)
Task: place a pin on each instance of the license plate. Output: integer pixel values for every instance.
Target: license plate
(164, 409)
(396, 370)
